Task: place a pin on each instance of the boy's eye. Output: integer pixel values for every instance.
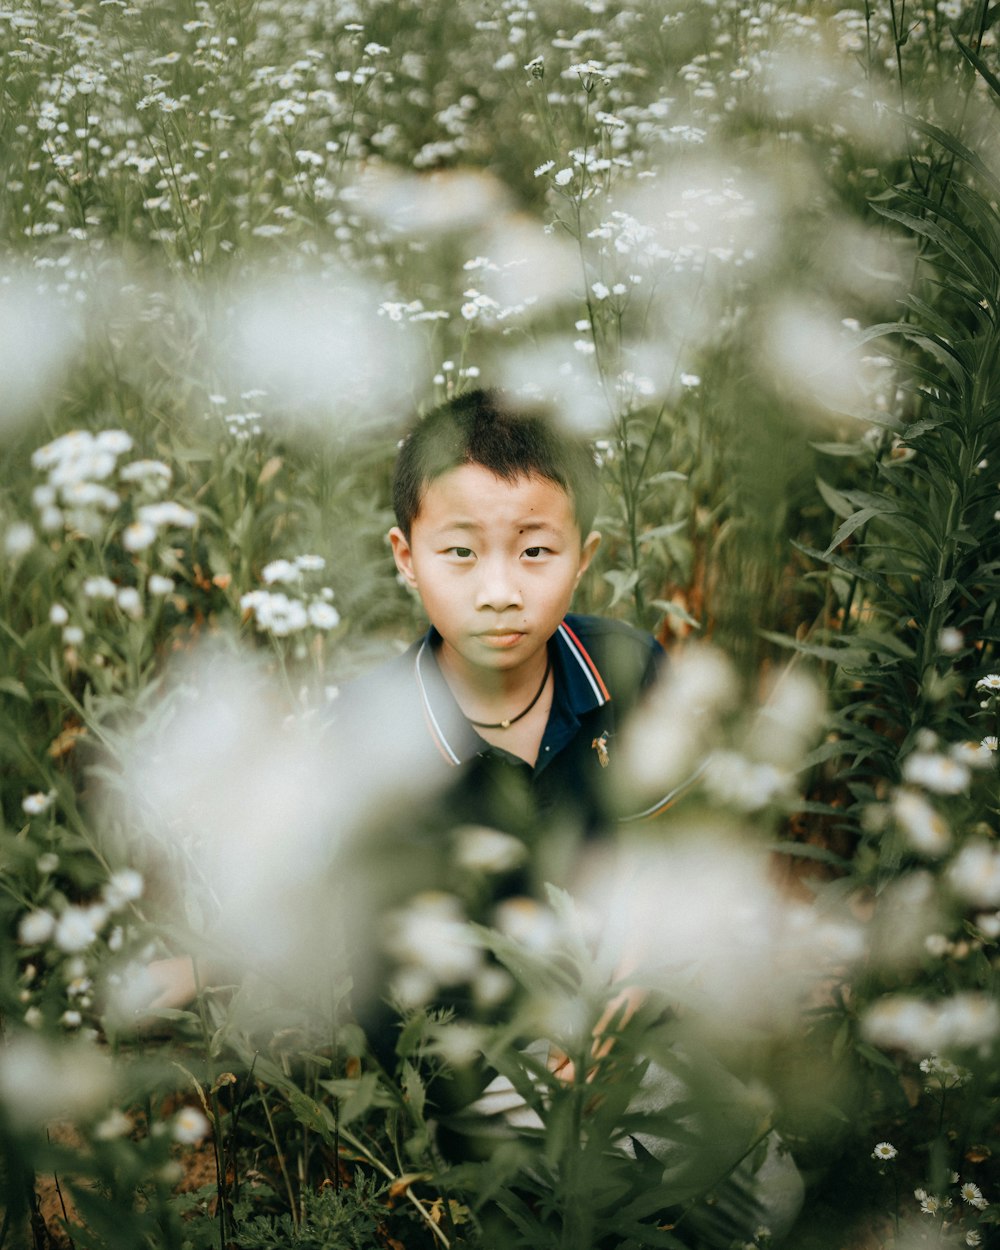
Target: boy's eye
(463, 553)
(534, 552)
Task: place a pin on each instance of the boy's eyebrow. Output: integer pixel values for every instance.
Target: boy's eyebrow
(522, 526)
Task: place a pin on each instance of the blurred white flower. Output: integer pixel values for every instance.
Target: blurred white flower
(138, 536)
(283, 571)
(115, 1124)
(36, 927)
(323, 616)
(974, 874)
(429, 203)
(38, 334)
(130, 601)
(167, 513)
(903, 1022)
(160, 585)
(41, 1080)
(786, 725)
(669, 735)
(18, 539)
(78, 927)
(926, 831)
(746, 785)
(146, 470)
(58, 614)
(487, 850)
(99, 588)
(189, 1126)
(433, 935)
(701, 919)
(124, 886)
(37, 803)
(950, 640)
(320, 345)
(939, 773)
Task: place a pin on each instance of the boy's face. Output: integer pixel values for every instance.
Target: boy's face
(495, 564)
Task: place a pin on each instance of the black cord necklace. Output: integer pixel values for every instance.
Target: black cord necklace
(506, 724)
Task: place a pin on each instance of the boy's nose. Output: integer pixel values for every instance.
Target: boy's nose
(498, 588)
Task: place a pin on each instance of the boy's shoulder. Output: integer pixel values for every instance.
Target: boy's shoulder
(627, 659)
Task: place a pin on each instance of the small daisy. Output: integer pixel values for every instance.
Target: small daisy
(973, 1195)
(884, 1150)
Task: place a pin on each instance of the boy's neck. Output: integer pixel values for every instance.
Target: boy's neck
(490, 695)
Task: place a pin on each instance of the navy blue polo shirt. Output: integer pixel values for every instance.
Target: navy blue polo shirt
(600, 667)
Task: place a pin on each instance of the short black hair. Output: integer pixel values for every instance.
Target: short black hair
(481, 427)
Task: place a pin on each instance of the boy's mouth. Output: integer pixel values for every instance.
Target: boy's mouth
(501, 637)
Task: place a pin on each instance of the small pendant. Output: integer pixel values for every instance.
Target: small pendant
(505, 724)
(600, 745)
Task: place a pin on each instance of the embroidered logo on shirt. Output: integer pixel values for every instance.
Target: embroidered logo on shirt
(600, 745)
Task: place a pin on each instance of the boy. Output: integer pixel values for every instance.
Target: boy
(520, 701)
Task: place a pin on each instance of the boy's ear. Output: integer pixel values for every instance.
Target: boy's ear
(590, 545)
(402, 553)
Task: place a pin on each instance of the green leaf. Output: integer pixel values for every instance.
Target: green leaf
(805, 850)
(833, 499)
(847, 566)
(852, 523)
(977, 62)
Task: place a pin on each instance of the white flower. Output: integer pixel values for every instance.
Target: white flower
(71, 1019)
(973, 1238)
(58, 614)
(72, 635)
(100, 588)
(124, 886)
(19, 539)
(600, 290)
(433, 935)
(323, 616)
(130, 602)
(744, 784)
(189, 1127)
(115, 1124)
(901, 1022)
(138, 536)
(925, 830)
(160, 585)
(140, 470)
(950, 640)
(563, 176)
(78, 927)
(47, 862)
(488, 850)
(36, 927)
(974, 874)
(939, 773)
(276, 613)
(283, 571)
(168, 512)
(35, 804)
(544, 168)
(41, 1081)
(990, 682)
(884, 1150)
(310, 564)
(973, 1195)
